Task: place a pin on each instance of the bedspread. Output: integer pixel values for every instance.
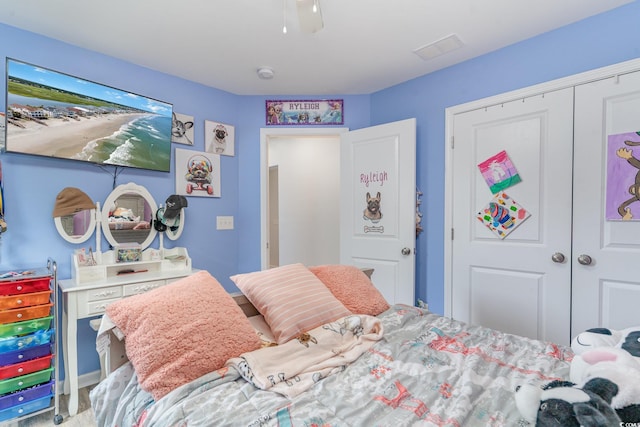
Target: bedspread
(427, 370)
(291, 368)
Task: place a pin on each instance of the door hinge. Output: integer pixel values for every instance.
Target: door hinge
(452, 144)
(451, 233)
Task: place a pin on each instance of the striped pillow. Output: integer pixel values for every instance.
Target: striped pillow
(291, 299)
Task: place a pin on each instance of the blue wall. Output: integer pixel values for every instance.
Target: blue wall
(602, 40)
(32, 183)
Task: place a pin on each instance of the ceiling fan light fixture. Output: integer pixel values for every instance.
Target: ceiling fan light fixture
(265, 73)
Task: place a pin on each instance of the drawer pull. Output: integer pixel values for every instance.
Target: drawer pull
(20, 383)
(19, 301)
(21, 398)
(19, 288)
(21, 356)
(20, 370)
(19, 315)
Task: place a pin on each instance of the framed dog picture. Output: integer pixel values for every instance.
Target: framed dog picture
(182, 129)
(197, 173)
(219, 138)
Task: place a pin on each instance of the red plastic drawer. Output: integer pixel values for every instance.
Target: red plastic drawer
(27, 313)
(23, 396)
(24, 286)
(25, 368)
(19, 356)
(10, 302)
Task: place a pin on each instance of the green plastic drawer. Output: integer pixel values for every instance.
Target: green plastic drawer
(24, 327)
(24, 381)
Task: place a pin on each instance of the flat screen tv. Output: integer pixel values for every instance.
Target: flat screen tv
(57, 115)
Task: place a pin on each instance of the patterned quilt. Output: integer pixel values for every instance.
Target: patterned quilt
(427, 370)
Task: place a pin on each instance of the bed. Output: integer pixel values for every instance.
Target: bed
(392, 365)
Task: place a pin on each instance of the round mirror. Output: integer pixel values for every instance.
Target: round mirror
(77, 227)
(127, 216)
(173, 226)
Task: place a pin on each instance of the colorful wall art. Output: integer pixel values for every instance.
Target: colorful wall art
(499, 172)
(623, 177)
(502, 215)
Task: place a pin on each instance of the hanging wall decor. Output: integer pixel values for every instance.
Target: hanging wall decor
(219, 138)
(623, 177)
(502, 215)
(197, 173)
(304, 112)
(499, 172)
(182, 129)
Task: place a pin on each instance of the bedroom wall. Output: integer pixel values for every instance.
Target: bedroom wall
(31, 183)
(602, 40)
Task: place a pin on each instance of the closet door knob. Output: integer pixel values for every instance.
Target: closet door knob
(558, 257)
(585, 259)
(406, 251)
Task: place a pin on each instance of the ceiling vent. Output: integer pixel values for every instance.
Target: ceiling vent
(440, 47)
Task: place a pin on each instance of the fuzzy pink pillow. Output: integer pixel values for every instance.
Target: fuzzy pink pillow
(291, 299)
(352, 287)
(181, 331)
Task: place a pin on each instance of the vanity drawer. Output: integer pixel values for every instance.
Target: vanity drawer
(95, 308)
(103, 293)
(25, 300)
(142, 287)
(26, 313)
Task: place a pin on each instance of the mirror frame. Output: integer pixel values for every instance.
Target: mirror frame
(80, 239)
(175, 235)
(120, 190)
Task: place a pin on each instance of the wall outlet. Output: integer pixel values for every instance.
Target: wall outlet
(224, 222)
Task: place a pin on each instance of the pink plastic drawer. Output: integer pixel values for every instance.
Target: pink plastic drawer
(24, 286)
(27, 313)
(10, 302)
(25, 368)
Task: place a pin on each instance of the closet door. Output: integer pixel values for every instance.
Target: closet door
(606, 286)
(514, 284)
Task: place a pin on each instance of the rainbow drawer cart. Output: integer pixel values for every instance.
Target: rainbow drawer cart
(28, 359)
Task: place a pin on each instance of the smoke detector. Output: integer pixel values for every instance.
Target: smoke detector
(265, 73)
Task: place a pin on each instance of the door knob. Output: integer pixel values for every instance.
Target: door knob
(558, 257)
(406, 251)
(585, 259)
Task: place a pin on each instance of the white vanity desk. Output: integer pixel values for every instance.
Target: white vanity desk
(88, 298)
(94, 285)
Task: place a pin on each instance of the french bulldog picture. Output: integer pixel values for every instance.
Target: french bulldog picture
(372, 211)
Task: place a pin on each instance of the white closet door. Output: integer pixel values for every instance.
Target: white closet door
(606, 292)
(512, 284)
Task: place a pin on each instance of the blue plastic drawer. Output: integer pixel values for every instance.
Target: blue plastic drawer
(26, 408)
(25, 341)
(27, 395)
(17, 356)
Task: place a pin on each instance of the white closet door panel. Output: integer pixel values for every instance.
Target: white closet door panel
(512, 283)
(606, 293)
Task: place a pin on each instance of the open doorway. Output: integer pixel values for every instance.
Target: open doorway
(304, 226)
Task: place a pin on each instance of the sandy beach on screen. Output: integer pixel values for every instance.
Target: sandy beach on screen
(61, 138)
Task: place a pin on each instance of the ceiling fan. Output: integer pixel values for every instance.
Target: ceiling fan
(309, 15)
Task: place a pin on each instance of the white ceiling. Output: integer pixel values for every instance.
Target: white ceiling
(365, 46)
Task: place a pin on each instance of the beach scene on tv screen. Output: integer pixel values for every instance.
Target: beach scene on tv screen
(58, 115)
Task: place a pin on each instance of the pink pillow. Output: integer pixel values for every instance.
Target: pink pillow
(352, 287)
(291, 299)
(181, 331)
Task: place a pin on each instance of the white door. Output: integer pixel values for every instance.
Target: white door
(377, 206)
(513, 283)
(606, 291)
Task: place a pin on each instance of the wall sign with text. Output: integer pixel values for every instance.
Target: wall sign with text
(304, 112)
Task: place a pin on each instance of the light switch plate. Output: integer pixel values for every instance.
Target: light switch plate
(224, 222)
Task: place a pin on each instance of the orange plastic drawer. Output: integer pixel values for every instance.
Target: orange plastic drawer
(24, 286)
(25, 368)
(27, 313)
(24, 300)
